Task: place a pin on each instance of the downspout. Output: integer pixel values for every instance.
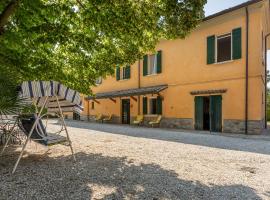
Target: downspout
(247, 74)
(139, 86)
(265, 80)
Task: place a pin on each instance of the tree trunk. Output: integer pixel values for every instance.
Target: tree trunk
(5, 15)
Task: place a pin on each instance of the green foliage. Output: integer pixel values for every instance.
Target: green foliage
(76, 41)
(10, 102)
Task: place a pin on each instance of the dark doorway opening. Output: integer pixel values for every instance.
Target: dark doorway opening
(125, 111)
(206, 113)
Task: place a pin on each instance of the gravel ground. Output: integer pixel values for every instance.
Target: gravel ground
(121, 162)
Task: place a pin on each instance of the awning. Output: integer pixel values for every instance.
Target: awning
(69, 99)
(130, 92)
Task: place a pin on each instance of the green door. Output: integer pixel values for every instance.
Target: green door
(199, 113)
(216, 113)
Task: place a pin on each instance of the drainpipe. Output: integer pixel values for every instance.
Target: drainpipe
(139, 86)
(247, 74)
(265, 82)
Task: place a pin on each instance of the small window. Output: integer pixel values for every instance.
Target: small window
(152, 64)
(124, 73)
(98, 81)
(224, 48)
(93, 105)
(153, 106)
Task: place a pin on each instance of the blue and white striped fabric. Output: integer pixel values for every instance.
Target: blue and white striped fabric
(70, 100)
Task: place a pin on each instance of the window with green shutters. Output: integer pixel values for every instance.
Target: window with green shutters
(145, 107)
(123, 73)
(152, 64)
(155, 106)
(225, 47)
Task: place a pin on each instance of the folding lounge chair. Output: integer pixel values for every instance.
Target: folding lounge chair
(39, 134)
(99, 117)
(138, 120)
(108, 119)
(156, 122)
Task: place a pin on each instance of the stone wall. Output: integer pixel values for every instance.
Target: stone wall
(238, 126)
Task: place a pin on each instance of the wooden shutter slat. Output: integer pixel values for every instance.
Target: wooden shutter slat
(211, 49)
(237, 43)
(145, 65)
(159, 62)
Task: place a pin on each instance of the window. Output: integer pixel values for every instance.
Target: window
(98, 80)
(93, 105)
(123, 73)
(152, 64)
(153, 106)
(224, 48)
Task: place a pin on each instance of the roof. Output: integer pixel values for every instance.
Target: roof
(130, 92)
(231, 9)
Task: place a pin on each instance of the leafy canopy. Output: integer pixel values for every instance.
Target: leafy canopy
(76, 41)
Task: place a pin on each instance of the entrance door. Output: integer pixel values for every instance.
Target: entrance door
(125, 111)
(208, 115)
(216, 113)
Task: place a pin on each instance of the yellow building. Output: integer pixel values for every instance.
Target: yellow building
(214, 79)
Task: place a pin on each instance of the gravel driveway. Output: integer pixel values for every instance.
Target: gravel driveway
(122, 162)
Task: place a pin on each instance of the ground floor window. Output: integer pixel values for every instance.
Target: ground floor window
(152, 106)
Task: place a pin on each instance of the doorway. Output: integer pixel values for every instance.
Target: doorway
(125, 111)
(208, 113)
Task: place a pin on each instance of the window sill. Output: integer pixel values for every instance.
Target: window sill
(149, 75)
(224, 62)
(123, 80)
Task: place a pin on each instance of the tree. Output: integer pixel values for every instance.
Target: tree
(76, 41)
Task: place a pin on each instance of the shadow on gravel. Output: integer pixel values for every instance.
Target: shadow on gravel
(186, 137)
(95, 176)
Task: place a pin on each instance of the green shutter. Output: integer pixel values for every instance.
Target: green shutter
(117, 73)
(199, 113)
(145, 105)
(159, 62)
(127, 72)
(211, 49)
(145, 65)
(216, 113)
(159, 105)
(237, 43)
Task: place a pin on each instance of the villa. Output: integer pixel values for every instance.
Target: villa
(214, 79)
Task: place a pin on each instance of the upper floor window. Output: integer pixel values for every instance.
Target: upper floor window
(224, 47)
(98, 80)
(152, 64)
(123, 73)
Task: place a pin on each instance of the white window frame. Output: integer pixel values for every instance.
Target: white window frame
(216, 47)
(155, 65)
(122, 73)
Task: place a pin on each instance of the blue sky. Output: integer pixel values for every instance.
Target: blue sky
(214, 6)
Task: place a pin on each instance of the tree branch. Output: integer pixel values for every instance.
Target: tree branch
(5, 15)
